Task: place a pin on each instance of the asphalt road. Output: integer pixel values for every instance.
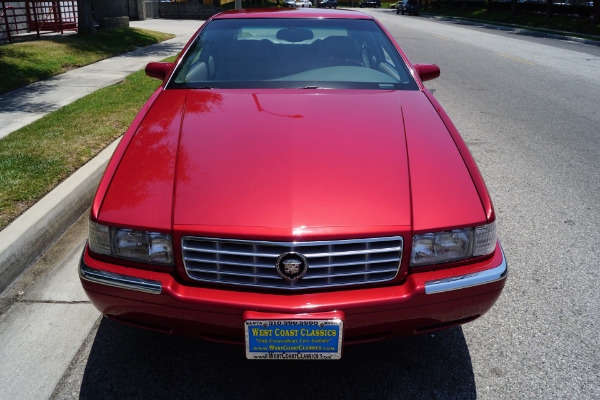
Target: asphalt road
(528, 110)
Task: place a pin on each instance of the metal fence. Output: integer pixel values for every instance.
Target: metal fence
(21, 18)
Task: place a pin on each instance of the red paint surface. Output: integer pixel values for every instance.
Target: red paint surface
(218, 314)
(293, 165)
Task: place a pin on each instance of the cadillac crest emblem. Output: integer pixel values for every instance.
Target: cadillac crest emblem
(291, 266)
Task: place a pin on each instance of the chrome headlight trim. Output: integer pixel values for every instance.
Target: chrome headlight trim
(118, 280)
(469, 280)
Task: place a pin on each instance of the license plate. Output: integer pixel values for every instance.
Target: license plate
(294, 339)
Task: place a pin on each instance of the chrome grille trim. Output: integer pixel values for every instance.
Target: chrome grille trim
(251, 263)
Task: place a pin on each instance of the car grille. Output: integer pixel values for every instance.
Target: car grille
(330, 263)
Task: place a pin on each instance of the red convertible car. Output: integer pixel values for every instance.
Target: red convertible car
(292, 186)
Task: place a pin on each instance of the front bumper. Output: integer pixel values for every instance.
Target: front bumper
(426, 301)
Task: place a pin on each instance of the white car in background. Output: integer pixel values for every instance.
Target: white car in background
(303, 3)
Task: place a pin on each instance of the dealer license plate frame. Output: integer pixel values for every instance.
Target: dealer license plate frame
(275, 339)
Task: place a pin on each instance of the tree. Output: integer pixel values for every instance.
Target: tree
(596, 17)
(85, 14)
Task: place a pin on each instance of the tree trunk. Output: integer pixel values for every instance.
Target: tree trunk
(596, 15)
(85, 16)
(514, 8)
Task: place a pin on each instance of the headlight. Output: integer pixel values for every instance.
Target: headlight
(141, 246)
(459, 244)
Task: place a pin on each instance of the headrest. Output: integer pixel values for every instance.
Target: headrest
(294, 35)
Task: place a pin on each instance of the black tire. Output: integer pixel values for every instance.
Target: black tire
(397, 11)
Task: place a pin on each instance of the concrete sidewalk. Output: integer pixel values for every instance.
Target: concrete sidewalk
(25, 240)
(45, 316)
(22, 106)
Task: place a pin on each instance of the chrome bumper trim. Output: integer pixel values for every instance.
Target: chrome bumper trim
(118, 280)
(469, 280)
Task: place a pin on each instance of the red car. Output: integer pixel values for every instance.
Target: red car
(292, 186)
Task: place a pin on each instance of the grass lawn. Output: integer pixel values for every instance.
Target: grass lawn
(26, 62)
(37, 157)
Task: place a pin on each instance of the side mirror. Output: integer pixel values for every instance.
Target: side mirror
(427, 72)
(158, 70)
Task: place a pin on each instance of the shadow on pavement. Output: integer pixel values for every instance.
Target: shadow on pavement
(131, 363)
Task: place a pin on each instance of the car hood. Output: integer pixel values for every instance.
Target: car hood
(282, 164)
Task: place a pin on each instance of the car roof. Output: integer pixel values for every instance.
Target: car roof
(292, 13)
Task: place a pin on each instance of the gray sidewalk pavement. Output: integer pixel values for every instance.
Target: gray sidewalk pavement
(22, 106)
(46, 309)
(24, 240)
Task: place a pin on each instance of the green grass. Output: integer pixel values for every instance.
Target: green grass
(578, 26)
(26, 62)
(36, 158)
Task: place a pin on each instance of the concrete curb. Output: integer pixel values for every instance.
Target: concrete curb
(29, 236)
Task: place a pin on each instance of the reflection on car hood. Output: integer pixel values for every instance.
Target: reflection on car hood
(283, 163)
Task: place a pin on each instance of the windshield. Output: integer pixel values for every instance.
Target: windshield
(292, 53)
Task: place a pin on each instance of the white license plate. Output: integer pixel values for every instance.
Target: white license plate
(294, 339)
